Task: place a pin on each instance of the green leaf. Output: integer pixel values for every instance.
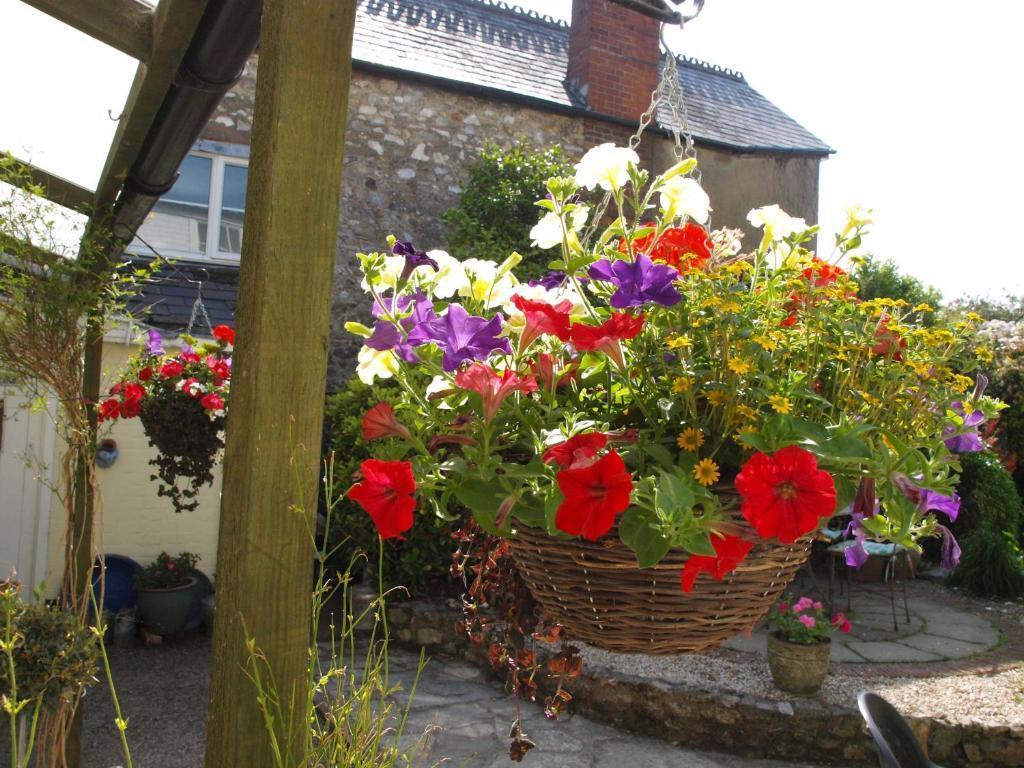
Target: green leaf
(640, 530)
(846, 447)
(482, 498)
(846, 491)
(698, 543)
(673, 494)
(530, 510)
(659, 453)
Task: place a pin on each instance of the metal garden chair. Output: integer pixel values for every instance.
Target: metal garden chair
(897, 745)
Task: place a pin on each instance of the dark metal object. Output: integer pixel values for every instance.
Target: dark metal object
(226, 37)
(897, 745)
(662, 10)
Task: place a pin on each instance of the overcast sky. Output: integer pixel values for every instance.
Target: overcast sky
(921, 100)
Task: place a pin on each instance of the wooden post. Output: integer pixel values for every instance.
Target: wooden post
(265, 554)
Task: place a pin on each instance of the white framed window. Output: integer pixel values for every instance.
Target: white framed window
(201, 216)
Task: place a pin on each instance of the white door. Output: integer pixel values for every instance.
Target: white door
(26, 452)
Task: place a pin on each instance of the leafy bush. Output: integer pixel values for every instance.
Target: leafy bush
(883, 280)
(497, 206)
(989, 525)
(426, 552)
(1004, 343)
(988, 496)
(992, 564)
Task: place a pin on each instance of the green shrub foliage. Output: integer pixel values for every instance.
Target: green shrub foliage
(989, 525)
(497, 206)
(988, 496)
(424, 555)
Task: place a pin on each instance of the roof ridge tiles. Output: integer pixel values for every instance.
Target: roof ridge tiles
(692, 61)
(520, 11)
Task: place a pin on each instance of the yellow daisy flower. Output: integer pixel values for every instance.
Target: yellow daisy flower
(731, 306)
(780, 404)
(715, 396)
(690, 439)
(682, 384)
(766, 343)
(923, 308)
(739, 366)
(746, 411)
(706, 472)
(746, 429)
(974, 317)
(984, 354)
(680, 342)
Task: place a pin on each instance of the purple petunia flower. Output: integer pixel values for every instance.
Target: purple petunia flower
(926, 500)
(639, 282)
(965, 439)
(950, 555)
(386, 335)
(155, 343)
(413, 258)
(462, 337)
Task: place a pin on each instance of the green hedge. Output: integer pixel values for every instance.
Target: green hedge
(424, 556)
(989, 526)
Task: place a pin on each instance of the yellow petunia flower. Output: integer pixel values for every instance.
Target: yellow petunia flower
(780, 404)
(690, 439)
(706, 472)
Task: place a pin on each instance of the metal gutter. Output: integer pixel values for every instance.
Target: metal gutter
(227, 35)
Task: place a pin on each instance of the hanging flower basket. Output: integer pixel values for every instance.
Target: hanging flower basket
(600, 595)
(591, 417)
(181, 400)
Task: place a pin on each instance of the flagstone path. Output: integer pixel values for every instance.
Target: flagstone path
(936, 631)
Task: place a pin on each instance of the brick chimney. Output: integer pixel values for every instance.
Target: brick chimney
(613, 62)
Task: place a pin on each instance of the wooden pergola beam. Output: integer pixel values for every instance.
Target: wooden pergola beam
(59, 190)
(125, 25)
(174, 25)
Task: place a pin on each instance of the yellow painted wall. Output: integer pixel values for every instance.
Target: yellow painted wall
(135, 521)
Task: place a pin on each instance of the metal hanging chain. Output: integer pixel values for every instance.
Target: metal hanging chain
(198, 308)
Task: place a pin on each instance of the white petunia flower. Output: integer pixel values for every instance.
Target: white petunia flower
(388, 277)
(776, 222)
(605, 166)
(547, 233)
(375, 363)
(450, 277)
(683, 196)
(484, 285)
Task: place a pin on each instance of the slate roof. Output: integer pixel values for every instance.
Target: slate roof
(491, 45)
(167, 301)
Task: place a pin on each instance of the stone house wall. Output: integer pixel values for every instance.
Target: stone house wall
(407, 145)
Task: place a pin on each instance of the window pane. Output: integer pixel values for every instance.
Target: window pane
(232, 208)
(179, 219)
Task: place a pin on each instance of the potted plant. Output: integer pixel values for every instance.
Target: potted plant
(182, 401)
(659, 425)
(166, 593)
(799, 647)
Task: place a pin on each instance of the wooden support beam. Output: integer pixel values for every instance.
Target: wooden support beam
(59, 190)
(125, 25)
(174, 25)
(272, 462)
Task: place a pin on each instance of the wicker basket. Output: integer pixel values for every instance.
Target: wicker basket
(596, 590)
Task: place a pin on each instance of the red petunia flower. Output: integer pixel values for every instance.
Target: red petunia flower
(171, 370)
(840, 622)
(542, 318)
(386, 493)
(218, 367)
(380, 422)
(493, 387)
(684, 248)
(577, 451)
(109, 409)
(132, 391)
(224, 334)
(821, 273)
(606, 337)
(543, 369)
(785, 494)
(593, 497)
(888, 343)
(729, 552)
(212, 402)
(192, 387)
(146, 374)
(128, 409)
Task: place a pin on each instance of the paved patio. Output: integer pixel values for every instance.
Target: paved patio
(935, 632)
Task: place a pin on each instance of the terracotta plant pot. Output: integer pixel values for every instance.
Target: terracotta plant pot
(166, 611)
(798, 668)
